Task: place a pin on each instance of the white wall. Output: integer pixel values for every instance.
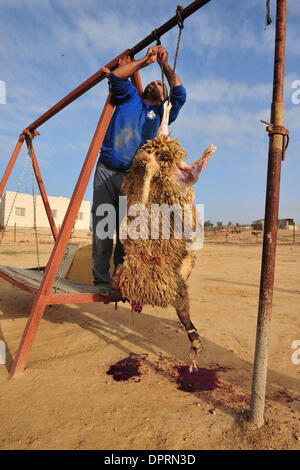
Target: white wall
(25, 201)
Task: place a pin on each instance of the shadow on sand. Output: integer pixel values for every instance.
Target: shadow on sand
(151, 333)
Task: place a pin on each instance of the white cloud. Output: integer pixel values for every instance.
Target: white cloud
(292, 40)
(222, 90)
(292, 119)
(57, 44)
(213, 29)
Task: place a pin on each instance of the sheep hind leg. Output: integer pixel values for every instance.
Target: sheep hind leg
(182, 307)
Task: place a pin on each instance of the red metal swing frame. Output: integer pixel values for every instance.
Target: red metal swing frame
(43, 295)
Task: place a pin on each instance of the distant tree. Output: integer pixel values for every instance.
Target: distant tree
(208, 223)
(220, 224)
(237, 224)
(229, 223)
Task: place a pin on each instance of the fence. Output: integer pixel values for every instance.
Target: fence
(22, 234)
(242, 236)
(211, 235)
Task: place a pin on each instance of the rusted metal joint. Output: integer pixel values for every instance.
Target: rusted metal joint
(179, 11)
(272, 129)
(30, 134)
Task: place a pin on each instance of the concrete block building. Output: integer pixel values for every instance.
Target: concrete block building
(23, 216)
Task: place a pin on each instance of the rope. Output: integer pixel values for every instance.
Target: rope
(158, 43)
(156, 37)
(162, 78)
(268, 20)
(180, 25)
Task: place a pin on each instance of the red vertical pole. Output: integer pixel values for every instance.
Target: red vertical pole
(137, 82)
(276, 132)
(63, 237)
(41, 186)
(11, 163)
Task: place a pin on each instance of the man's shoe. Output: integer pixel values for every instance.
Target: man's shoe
(105, 289)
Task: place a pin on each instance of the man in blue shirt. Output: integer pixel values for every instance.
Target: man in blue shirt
(135, 120)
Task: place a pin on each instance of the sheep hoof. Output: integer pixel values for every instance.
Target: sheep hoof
(196, 346)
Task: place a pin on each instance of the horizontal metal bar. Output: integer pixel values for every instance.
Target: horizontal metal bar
(187, 11)
(80, 90)
(57, 299)
(101, 74)
(85, 298)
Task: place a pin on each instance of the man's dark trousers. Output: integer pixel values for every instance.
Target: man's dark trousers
(107, 189)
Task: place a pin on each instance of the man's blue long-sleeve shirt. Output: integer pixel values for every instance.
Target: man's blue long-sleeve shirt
(133, 122)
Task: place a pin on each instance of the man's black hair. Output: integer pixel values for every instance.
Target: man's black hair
(165, 91)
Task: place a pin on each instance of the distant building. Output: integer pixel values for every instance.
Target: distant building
(22, 212)
(285, 223)
(258, 224)
(282, 223)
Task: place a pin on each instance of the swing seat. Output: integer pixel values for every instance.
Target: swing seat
(31, 279)
(63, 291)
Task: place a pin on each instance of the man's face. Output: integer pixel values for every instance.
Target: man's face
(155, 91)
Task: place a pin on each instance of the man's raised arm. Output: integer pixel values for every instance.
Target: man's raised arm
(125, 70)
(162, 59)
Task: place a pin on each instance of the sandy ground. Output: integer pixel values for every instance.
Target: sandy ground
(65, 399)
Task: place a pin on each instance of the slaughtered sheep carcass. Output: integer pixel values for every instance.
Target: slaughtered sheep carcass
(156, 267)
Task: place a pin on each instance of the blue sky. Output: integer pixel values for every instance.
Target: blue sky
(47, 48)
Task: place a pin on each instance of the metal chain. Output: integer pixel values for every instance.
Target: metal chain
(15, 197)
(34, 213)
(62, 264)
